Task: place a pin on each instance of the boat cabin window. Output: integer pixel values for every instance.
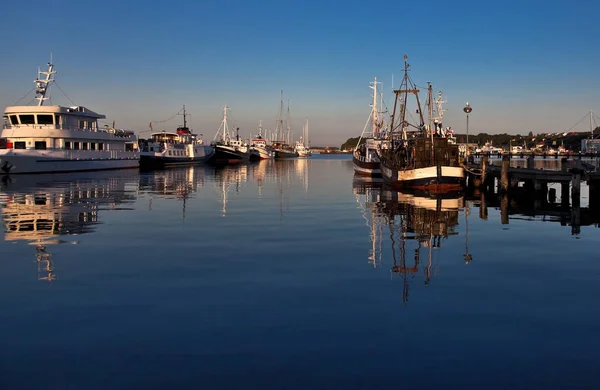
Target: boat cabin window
(82, 124)
(27, 119)
(100, 146)
(84, 145)
(75, 145)
(67, 145)
(45, 119)
(20, 145)
(92, 146)
(14, 120)
(40, 145)
(129, 147)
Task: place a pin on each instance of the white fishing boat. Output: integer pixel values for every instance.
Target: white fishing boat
(301, 148)
(170, 149)
(365, 157)
(259, 148)
(51, 138)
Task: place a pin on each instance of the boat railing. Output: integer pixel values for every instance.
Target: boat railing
(117, 132)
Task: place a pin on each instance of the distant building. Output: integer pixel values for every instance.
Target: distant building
(590, 145)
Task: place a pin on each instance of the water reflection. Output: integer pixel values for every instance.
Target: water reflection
(173, 183)
(416, 225)
(41, 209)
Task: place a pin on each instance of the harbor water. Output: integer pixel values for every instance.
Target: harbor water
(288, 275)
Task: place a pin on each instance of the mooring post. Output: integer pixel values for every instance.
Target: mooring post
(564, 164)
(594, 200)
(483, 212)
(575, 186)
(484, 163)
(564, 194)
(530, 161)
(504, 209)
(552, 195)
(504, 174)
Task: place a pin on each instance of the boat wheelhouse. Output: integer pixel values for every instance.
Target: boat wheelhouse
(43, 138)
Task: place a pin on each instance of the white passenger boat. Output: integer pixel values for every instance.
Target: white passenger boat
(44, 138)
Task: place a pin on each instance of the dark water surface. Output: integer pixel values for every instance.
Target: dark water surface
(288, 275)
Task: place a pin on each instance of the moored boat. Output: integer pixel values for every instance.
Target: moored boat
(365, 158)
(228, 149)
(258, 148)
(44, 138)
(170, 149)
(418, 157)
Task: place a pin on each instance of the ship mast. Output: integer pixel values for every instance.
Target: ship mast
(406, 86)
(374, 111)
(41, 86)
(184, 119)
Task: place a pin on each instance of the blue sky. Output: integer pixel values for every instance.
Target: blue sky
(523, 65)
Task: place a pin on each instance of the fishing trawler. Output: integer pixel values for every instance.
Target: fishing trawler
(418, 157)
(227, 148)
(51, 138)
(258, 148)
(365, 157)
(170, 149)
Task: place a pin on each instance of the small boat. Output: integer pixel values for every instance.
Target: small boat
(258, 148)
(170, 149)
(228, 149)
(365, 156)
(300, 148)
(418, 157)
(43, 138)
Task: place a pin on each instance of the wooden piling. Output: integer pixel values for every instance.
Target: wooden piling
(484, 163)
(594, 196)
(504, 182)
(530, 161)
(552, 195)
(483, 212)
(564, 194)
(504, 209)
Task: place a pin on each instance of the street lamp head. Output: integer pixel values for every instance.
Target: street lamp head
(467, 108)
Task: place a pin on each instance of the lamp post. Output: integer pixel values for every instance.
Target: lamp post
(467, 110)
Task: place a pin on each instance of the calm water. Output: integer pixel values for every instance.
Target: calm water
(288, 275)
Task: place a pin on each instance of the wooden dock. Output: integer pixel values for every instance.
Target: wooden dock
(506, 186)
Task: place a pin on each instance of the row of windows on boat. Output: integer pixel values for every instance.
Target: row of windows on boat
(47, 119)
(68, 145)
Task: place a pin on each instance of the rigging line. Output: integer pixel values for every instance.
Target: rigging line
(24, 96)
(63, 92)
(166, 120)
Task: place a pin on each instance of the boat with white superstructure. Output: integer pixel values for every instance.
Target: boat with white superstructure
(259, 149)
(52, 138)
(170, 149)
(365, 158)
(227, 148)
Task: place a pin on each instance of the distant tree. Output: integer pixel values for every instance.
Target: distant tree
(351, 143)
(530, 134)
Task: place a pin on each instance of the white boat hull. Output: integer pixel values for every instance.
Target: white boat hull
(43, 161)
(425, 178)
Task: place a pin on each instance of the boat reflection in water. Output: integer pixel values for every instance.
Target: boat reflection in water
(415, 223)
(41, 209)
(180, 183)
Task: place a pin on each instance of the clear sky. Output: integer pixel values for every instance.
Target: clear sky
(523, 65)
